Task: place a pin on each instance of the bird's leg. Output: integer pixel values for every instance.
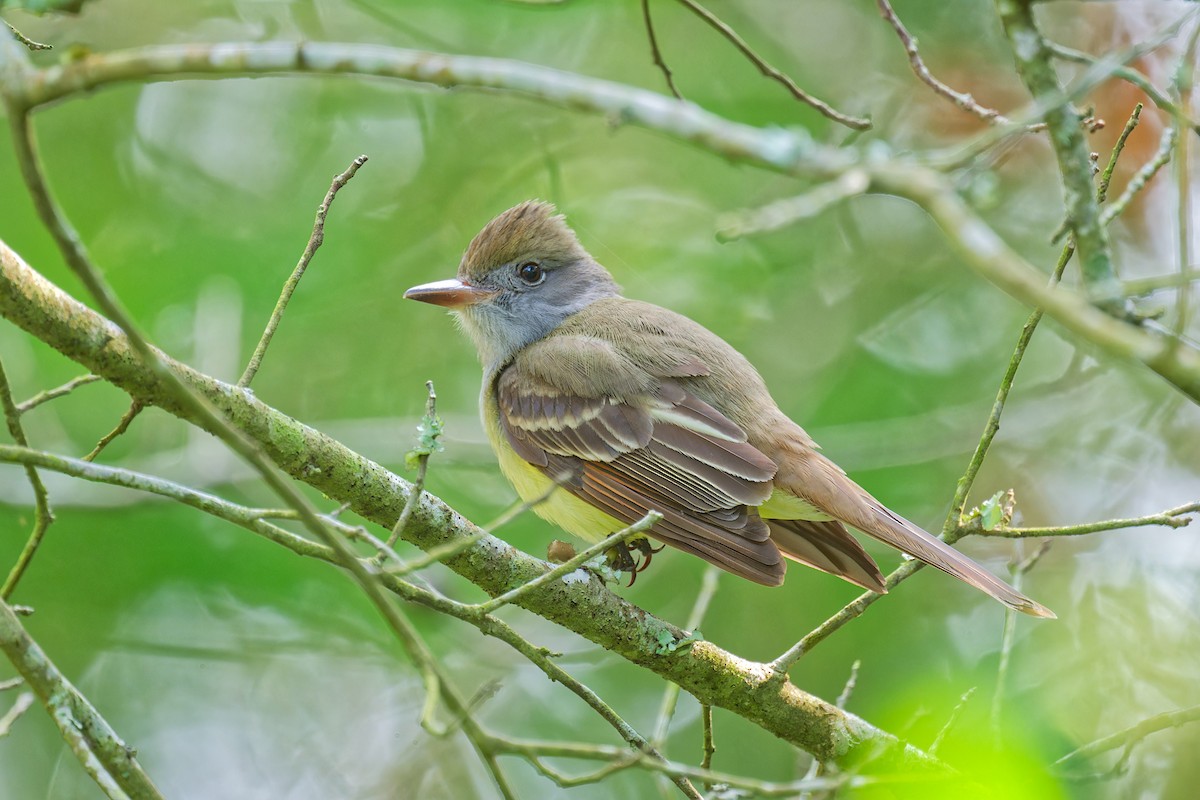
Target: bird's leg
(621, 557)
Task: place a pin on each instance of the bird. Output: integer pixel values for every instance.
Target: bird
(630, 408)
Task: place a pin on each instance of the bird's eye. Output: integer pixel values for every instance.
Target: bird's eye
(531, 272)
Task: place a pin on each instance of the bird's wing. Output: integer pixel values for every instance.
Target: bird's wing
(643, 443)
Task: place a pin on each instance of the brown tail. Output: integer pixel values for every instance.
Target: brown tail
(821, 482)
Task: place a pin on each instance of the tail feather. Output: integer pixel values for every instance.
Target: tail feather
(818, 480)
(829, 547)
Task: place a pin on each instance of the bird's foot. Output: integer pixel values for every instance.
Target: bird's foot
(622, 558)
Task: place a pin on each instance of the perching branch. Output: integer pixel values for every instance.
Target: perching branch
(256, 522)
(712, 675)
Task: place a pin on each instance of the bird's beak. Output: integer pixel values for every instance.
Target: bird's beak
(451, 294)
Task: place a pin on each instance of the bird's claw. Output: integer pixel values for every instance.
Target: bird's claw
(622, 559)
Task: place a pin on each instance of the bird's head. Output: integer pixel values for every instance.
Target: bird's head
(521, 276)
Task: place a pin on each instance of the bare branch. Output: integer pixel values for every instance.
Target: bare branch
(25, 40)
(110, 761)
(1134, 734)
(315, 239)
(771, 72)
(1106, 176)
(1032, 56)
(1172, 518)
(961, 99)
(122, 426)
(22, 704)
(55, 393)
(655, 52)
(43, 516)
(1125, 73)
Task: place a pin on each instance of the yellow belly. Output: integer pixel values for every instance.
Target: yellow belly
(562, 508)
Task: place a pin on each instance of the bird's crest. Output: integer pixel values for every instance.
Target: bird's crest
(531, 229)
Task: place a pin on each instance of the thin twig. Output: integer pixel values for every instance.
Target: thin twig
(961, 99)
(962, 489)
(25, 40)
(1183, 178)
(135, 408)
(428, 431)
(710, 747)
(666, 709)
(851, 683)
(1166, 146)
(1125, 73)
(950, 723)
(1106, 176)
(1008, 638)
(42, 513)
(1140, 286)
(1134, 734)
(1173, 518)
(571, 565)
(655, 53)
(314, 241)
(20, 706)
(790, 210)
(55, 393)
(771, 72)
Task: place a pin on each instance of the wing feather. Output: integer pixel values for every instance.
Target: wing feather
(661, 449)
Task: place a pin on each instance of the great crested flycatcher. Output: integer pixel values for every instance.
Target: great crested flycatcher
(633, 408)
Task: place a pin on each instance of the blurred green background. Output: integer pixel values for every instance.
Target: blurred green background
(237, 670)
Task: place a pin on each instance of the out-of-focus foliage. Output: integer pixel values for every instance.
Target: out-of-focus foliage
(240, 671)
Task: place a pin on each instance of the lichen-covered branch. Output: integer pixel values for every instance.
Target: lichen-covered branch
(714, 676)
(116, 769)
(1035, 65)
